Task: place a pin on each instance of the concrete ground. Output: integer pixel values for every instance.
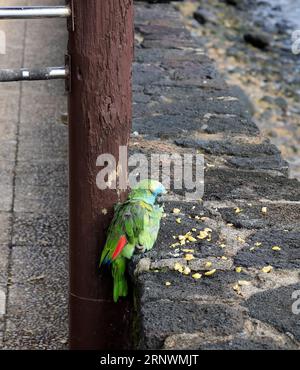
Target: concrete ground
(181, 104)
(33, 189)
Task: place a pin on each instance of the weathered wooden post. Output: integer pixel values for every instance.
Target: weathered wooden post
(100, 50)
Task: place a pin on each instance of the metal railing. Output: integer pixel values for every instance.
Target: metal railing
(32, 12)
(35, 12)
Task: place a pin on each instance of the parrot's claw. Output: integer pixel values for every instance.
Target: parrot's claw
(140, 248)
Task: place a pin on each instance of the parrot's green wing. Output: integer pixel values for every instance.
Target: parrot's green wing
(149, 233)
(135, 224)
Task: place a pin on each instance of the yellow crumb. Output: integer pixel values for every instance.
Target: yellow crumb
(188, 250)
(210, 273)
(267, 269)
(178, 267)
(243, 282)
(264, 210)
(189, 257)
(186, 271)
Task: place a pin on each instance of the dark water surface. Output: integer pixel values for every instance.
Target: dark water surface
(289, 10)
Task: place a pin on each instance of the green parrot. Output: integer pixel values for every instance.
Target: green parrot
(134, 227)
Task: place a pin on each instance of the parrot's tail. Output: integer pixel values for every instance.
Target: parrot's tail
(120, 283)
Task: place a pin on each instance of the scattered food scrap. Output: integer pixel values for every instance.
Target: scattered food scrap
(210, 273)
(267, 269)
(189, 257)
(264, 210)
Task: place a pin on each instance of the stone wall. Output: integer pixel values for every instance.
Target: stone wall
(250, 206)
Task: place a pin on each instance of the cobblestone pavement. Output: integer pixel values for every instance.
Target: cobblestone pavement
(181, 104)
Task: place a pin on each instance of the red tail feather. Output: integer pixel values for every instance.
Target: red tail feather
(121, 244)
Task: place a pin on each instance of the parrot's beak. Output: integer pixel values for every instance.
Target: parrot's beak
(160, 199)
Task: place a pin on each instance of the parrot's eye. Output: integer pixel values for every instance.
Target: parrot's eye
(159, 199)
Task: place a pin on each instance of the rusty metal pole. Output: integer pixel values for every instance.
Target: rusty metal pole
(101, 52)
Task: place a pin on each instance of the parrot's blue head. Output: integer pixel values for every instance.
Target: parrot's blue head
(149, 191)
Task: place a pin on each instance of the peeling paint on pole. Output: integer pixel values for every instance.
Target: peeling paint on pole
(101, 50)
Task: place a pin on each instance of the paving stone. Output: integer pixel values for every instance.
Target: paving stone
(152, 286)
(40, 199)
(39, 110)
(243, 344)
(252, 217)
(185, 76)
(287, 258)
(40, 265)
(270, 162)
(53, 147)
(37, 317)
(159, 56)
(185, 317)
(185, 106)
(46, 230)
(6, 197)
(4, 257)
(236, 184)
(275, 307)
(7, 151)
(5, 228)
(145, 12)
(2, 302)
(41, 32)
(9, 105)
(2, 308)
(228, 147)
(42, 174)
